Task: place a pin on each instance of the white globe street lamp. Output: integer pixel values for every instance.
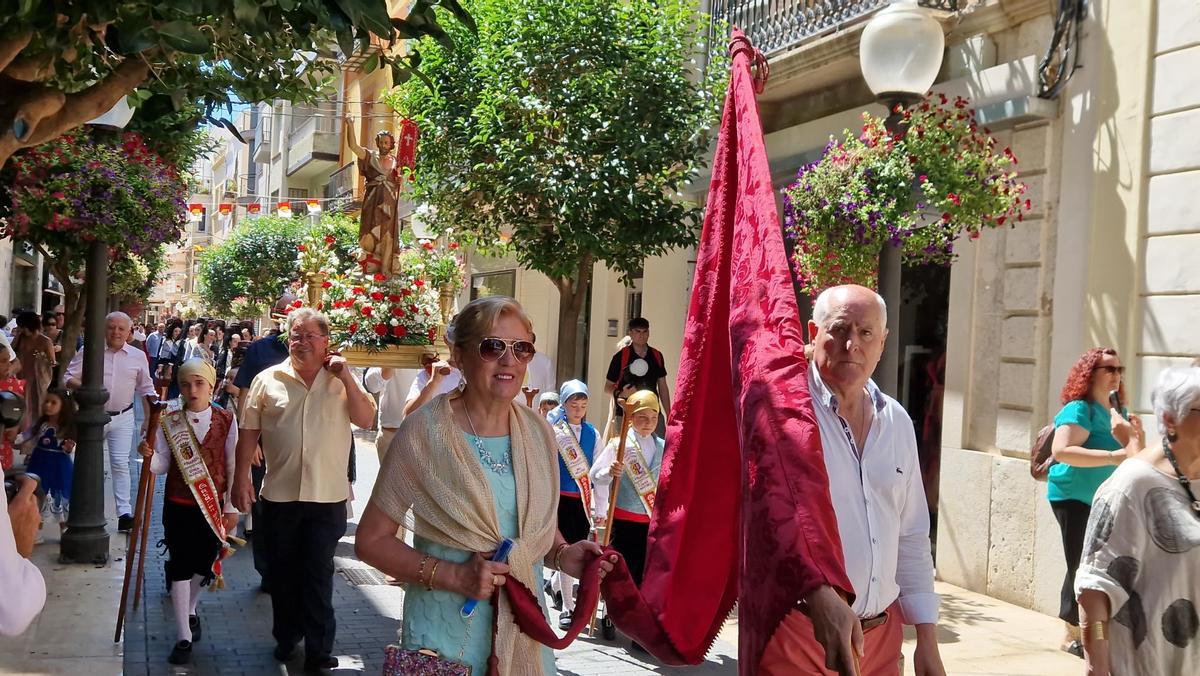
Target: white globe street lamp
(900, 54)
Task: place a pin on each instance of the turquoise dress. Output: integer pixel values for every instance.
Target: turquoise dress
(432, 619)
(1067, 482)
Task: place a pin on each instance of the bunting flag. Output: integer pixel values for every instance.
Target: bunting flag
(225, 208)
(314, 206)
(284, 209)
(743, 495)
(254, 209)
(196, 210)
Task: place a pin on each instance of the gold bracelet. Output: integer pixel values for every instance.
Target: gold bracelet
(558, 556)
(1097, 631)
(421, 569)
(432, 572)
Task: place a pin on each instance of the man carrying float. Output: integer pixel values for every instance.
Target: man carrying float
(195, 448)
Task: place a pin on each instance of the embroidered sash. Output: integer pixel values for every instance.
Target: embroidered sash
(639, 473)
(576, 462)
(185, 448)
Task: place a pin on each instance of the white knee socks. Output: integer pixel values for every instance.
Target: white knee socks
(564, 584)
(181, 601)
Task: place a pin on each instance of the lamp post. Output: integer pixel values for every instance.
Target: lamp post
(86, 539)
(900, 54)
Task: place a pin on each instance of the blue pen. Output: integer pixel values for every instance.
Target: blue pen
(501, 556)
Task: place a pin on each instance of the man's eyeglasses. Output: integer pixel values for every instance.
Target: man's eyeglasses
(492, 349)
(1119, 370)
(306, 337)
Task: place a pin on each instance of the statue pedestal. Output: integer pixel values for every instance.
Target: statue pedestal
(392, 356)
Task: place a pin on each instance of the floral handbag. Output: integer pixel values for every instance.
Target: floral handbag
(404, 662)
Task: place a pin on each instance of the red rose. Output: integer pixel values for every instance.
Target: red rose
(428, 246)
(405, 292)
(399, 331)
(297, 303)
(397, 312)
(380, 277)
(301, 247)
(376, 295)
(353, 327)
(394, 298)
(432, 334)
(419, 282)
(329, 239)
(326, 284)
(381, 329)
(367, 310)
(414, 309)
(358, 290)
(953, 197)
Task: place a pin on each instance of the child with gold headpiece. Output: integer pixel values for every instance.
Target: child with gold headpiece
(639, 481)
(195, 448)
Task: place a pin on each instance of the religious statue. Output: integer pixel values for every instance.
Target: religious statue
(378, 223)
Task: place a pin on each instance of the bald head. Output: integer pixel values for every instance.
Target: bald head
(848, 331)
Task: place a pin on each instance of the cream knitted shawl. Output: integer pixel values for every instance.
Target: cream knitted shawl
(431, 469)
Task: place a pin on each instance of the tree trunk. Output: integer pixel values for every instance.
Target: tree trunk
(572, 293)
(72, 319)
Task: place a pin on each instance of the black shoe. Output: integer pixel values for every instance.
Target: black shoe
(1076, 649)
(564, 620)
(326, 662)
(194, 625)
(125, 523)
(608, 631)
(181, 653)
(285, 653)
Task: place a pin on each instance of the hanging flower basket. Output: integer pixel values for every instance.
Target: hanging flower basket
(920, 192)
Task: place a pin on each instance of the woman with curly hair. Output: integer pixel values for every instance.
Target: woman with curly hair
(1090, 440)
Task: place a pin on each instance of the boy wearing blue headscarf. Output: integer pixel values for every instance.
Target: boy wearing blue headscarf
(578, 442)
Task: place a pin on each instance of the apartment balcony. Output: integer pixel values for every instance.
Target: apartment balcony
(262, 146)
(315, 147)
(343, 187)
(812, 45)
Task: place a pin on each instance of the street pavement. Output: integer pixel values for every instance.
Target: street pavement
(978, 635)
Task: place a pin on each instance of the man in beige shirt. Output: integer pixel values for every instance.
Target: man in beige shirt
(301, 411)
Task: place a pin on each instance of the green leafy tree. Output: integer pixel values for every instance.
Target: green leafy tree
(63, 63)
(259, 259)
(131, 278)
(566, 128)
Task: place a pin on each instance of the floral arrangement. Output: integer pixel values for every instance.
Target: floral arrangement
(919, 192)
(441, 266)
(244, 308)
(77, 189)
(316, 253)
(377, 310)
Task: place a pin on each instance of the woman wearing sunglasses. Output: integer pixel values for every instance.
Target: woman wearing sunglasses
(465, 472)
(1091, 438)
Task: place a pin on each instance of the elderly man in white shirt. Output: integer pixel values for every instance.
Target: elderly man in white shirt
(883, 520)
(126, 377)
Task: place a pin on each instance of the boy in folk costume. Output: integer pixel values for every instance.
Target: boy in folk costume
(578, 442)
(639, 481)
(195, 447)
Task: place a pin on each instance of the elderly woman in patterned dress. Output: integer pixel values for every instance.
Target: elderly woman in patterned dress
(1137, 584)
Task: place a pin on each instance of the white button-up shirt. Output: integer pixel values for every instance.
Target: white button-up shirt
(392, 393)
(882, 516)
(126, 375)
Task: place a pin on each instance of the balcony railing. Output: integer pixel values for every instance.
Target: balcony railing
(779, 25)
(341, 182)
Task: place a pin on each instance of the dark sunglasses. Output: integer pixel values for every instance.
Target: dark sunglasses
(492, 349)
(1119, 370)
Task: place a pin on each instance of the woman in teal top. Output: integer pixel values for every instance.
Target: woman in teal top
(1090, 440)
(466, 471)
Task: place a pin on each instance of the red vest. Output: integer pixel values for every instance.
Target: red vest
(212, 449)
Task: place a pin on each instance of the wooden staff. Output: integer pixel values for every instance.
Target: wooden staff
(141, 514)
(605, 531)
